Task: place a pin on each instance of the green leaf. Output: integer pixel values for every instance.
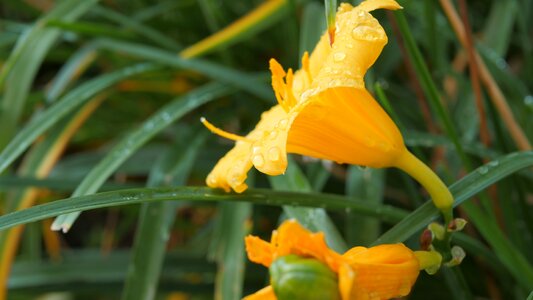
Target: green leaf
(232, 228)
(133, 141)
(156, 219)
(215, 71)
(386, 213)
(65, 105)
(462, 190)
(21, 67)
(367, 184)
(314, 219)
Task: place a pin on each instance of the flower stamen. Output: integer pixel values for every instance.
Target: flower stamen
(222, 133)
(305, 66)
(282, 88)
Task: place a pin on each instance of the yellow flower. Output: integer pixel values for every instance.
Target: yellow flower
(380, 272)
(325, 111)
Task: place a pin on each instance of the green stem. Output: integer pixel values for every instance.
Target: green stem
(441, 196)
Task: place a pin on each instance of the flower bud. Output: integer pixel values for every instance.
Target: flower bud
(297, 278)
(457, 225)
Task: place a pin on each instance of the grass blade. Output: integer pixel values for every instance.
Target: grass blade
(315, 219)
(129, 144)
(48, 118)
(156, 219)
(215, 71)
(462, 191)
(386, 213)
(18, 72)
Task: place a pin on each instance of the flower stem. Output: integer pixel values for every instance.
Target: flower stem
(441, 196)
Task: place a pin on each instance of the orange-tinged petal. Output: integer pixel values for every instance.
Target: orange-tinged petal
(346, 281)
(259, 251)
(266, 293)
(292, 238)
(324, 109)
(382, 272)
(345, 125)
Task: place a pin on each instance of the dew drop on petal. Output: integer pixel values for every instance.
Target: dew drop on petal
(273, 134)
(283, 123)
(234, 180)
(274, 154)
(258, 160)
(404, 289)
(364, 32)
(211, 179)
(256, 149)
(339, 56)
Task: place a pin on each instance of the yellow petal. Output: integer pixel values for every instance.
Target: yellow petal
(382, 272)
(370, 5)
(266, 293)
(231, 170)
(345, 125)
(267, 153)
(359, 40)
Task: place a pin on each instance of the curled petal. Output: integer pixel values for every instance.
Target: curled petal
(232, 170)
(382, 272)
(345, 125)
(370, 5)
(259, 251)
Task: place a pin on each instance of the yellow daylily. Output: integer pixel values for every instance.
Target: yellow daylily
(325, 111)
(380, 272)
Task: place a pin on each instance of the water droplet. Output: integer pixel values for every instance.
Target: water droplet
(334, 83)
(283, 123)
(256, 150)
(528, 101)
(258, 160)
(339, 56)
(166, 116)
(404, 289)
(368, 33)
(273, 134)
(494, 163)
(483, 170)
(274, 154)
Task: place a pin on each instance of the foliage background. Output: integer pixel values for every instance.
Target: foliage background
(100, 96)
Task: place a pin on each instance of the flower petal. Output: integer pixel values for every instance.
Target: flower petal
(345, 125)
(259, 251)
(231, 170)
(359, 40)
(382, 272)
(292, 238)
(370, 5)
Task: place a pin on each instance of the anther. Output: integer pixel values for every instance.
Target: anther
(222, 133)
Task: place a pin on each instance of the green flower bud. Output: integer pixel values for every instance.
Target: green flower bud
(298, 278)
